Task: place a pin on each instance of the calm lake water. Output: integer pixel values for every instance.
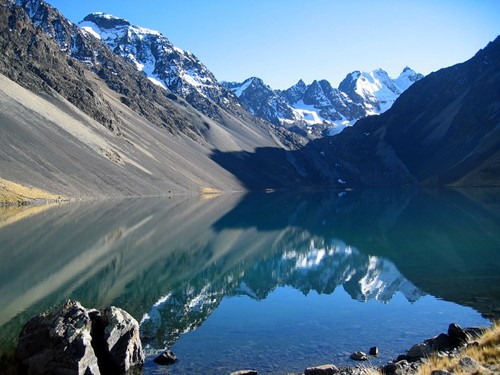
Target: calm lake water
(273, 282)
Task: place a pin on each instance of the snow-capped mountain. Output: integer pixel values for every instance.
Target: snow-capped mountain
(375, 90)
(152, 53)
(318, 108)
(261, 100)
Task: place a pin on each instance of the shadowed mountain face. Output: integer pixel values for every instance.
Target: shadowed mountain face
(171, 262)
(443, 130)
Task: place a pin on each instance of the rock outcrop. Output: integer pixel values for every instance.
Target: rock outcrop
(76, 340)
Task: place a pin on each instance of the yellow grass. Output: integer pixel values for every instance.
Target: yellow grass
(14, 193)
(486, 355)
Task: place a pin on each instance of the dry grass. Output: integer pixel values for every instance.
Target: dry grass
(14, 193)
(486, 355)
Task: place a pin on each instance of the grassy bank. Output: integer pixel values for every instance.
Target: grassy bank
(486, 355)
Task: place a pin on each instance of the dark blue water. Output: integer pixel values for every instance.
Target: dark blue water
(273, 282)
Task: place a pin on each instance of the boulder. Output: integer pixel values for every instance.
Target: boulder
(244, 372)
(321, 370)
(418, 351)
(395, 368)
(76, 340)
(359, 356)
(373, 350)
(441, 342)
(121, 332)
(468, 364)
(457, 334)
(166, 358)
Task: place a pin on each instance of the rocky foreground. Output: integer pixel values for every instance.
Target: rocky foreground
(445, 345)
(77, 340)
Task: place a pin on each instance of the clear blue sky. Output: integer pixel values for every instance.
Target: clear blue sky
(282, 41)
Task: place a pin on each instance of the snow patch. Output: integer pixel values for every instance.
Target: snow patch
(239, 90)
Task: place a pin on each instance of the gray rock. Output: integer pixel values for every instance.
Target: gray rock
(440, 342)
(373, 350)
(122, 337)
(396, 368)
(321, 370)
(467, 364)
(166, 358)
(441, 372)
(359, 356)
(418, 351)
(457, 334)
(76, 340)
(244, 372)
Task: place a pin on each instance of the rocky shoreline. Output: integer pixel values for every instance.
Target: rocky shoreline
(449, 344)
(77, 340)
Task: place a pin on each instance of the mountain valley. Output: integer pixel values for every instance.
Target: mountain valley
(108, 109)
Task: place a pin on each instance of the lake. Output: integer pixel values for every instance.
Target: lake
(273, 282)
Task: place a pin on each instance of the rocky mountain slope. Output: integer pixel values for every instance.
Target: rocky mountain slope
(443, 130)
(163, 63)
(319, 109)
(60, 85)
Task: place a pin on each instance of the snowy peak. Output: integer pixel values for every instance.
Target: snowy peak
(247, 86)
(116, 31)
(163, 63)
(260, 99)
(318, 108)
(296, 92)
(376, 91)
(106, 21)
(407, 77)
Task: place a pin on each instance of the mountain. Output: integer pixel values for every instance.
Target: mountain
(443, 130)
(318, 109)
(376, 91)
(261, 100)
(163, 63)
(82, 121)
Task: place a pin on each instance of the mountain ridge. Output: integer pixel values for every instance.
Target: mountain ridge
(153, 142)
(319, 109)
(442, 130)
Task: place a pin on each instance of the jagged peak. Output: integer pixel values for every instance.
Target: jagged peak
(408, 69)
(380, 71)
(300, 83)
(354, 75)
(255, 80)
(106, 21)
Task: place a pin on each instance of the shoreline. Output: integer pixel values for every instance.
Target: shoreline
(475, 349)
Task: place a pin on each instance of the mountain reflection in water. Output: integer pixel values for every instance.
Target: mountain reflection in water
(170, 262)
